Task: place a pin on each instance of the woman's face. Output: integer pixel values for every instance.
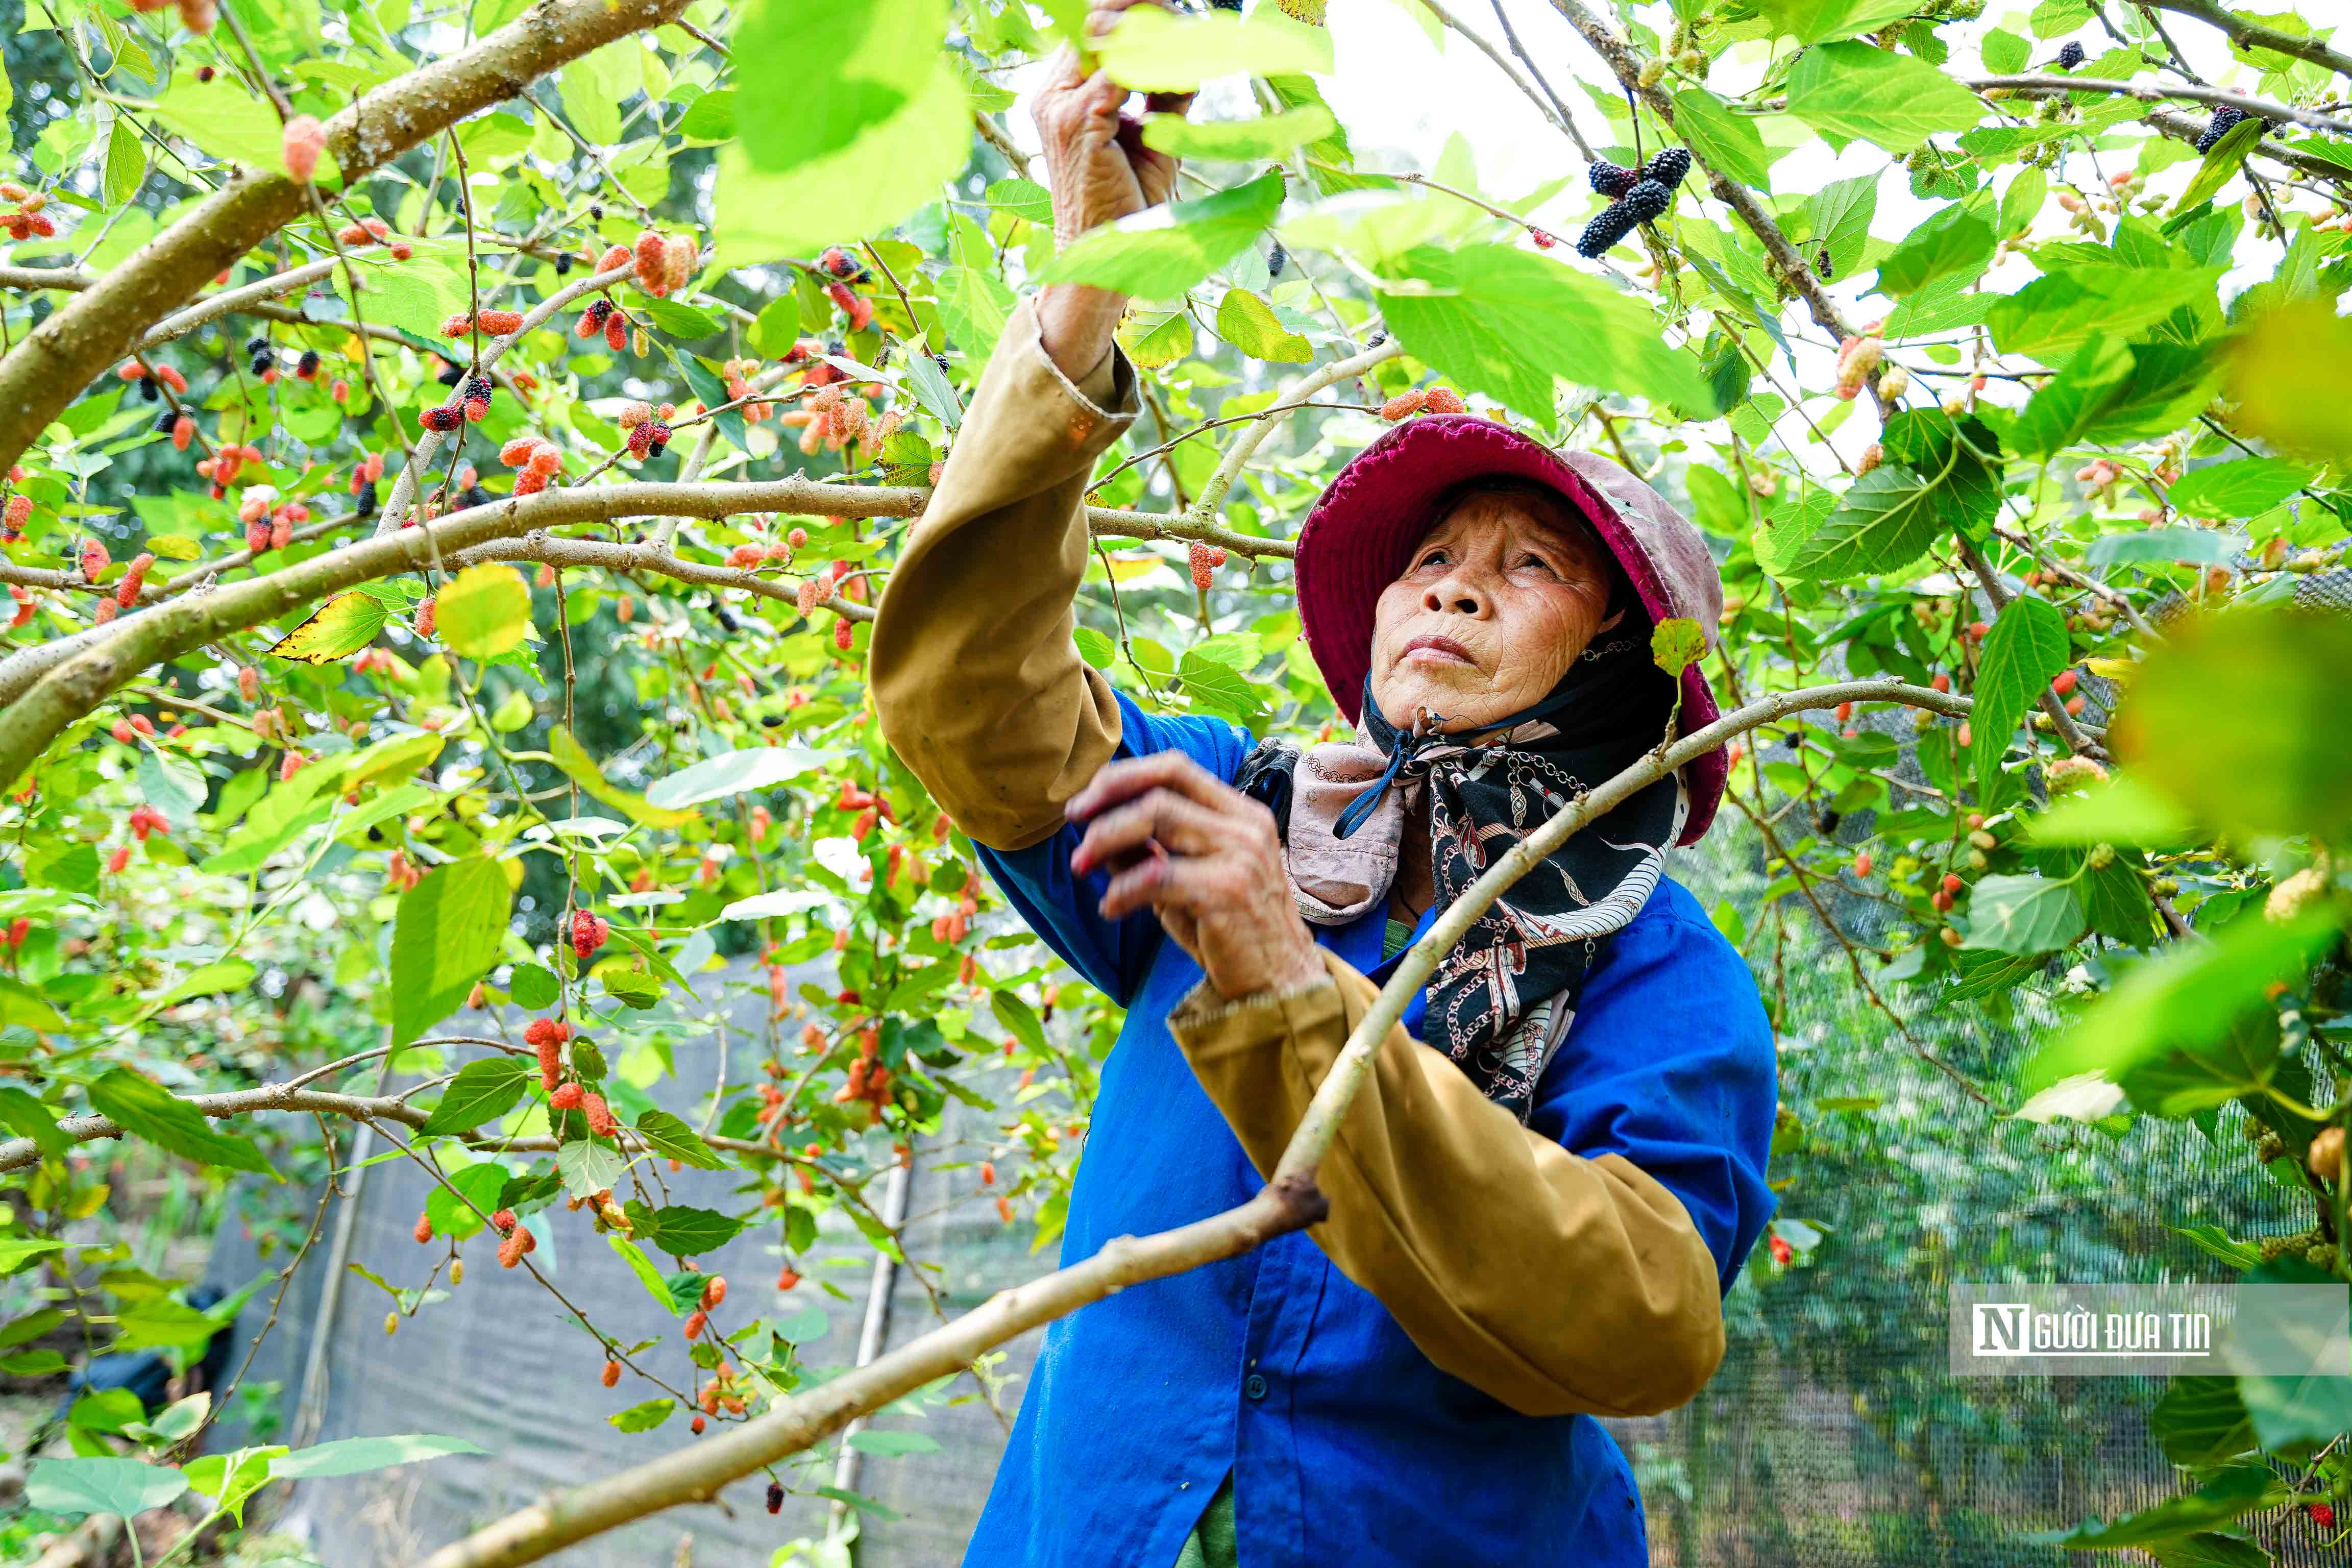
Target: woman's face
(1494, 605)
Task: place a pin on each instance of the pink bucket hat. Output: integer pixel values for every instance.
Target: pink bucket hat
(1357, 540)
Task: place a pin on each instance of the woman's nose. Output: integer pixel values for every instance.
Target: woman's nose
(1458, 593)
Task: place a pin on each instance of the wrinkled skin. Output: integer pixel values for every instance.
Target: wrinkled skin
(1494, 604)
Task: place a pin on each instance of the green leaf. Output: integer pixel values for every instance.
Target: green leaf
(229, 1478)
(858, 1501)
(1238, 141)
(1840, 213)
(855, 67)
(892, 1444)
(2239, 1490)
(1152, 50)
(2227, 156)
(777, 327)
(684, 1232)
(643, 1417)
(973, 307)
(588, 1167)
(446, 933)
(341, 628)
(535, 986)
(1955, 240)
(2027, 914)
(581, 768)
(482, 1091)
(2289, 1411)
(1849, 92)
(2066, 307)
(86, 1486)
(1250, 324)
(743, 771)
(669, 1136)
(1811, 21)
(484, 610)
(2282, 373)
(1022, 198)
(356, 1456)
(2191, 997)
(1676, 642)
(1018, 1019)
(2246, 488)
(15, 1251)
(2124, 810)
(869, 183)
(1163, 250)
(2193, 546)
(1885, 519)
(2023, 653)
(1508, 322)
(2241, 718)
(2182, 1082)
(147, 1109)
(230, 123)
(457, 1209)
(642, 1267)
(593, 86)
(1723, 139)
(2112, 392)
(1219, 687)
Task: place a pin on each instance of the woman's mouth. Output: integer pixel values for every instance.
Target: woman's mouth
(1433, 649)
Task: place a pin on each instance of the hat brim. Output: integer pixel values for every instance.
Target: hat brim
(1356, 541)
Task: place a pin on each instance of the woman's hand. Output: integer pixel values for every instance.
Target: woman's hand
(1099, 171)
(1205, 859)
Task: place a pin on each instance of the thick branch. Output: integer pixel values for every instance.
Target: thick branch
(51, 366)
(1289, 1202)
(2159, 92)
(212, 307)
(2249, 34)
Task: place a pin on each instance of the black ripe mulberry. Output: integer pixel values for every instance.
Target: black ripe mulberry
(445, 418)
(254, 345)
(2070, 56)
(260, 361)
(1610, 179)
(2218, 127)
(659, 439)
(452, 376)
(474, 495)
(1668, 167)
(1277, 259)
(1645, 201)
(366, 503)
(148, 389)
(562, 262)
(164, 421)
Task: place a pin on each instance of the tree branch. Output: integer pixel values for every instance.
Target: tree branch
(2249, 34)
(1253, 435)
(1289, 1202)
(2150, 92)
(51, 366)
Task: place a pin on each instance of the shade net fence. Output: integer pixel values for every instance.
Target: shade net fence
(1832, 1434)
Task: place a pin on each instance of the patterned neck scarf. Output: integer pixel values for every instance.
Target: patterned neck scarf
(1501, 1002)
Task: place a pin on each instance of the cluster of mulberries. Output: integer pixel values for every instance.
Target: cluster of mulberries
(1640, 196)
(1422, 400)
(662, 262)
(648, 428)
(28, 221)
(2218, 127)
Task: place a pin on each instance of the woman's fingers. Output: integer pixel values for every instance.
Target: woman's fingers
(1158, 816)
(1127, 778)
(1175, 888)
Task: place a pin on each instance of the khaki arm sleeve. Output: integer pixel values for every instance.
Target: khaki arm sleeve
(1554, 1283)
(975, 679)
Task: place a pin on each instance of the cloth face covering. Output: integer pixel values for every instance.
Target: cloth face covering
(1501, 1001)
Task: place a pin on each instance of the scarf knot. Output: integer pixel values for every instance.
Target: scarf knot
(1501, 1001)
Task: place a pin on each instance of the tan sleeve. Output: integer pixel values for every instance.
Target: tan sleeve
(1554, 1283)
(976, 680)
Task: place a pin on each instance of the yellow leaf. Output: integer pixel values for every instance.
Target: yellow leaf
(484, 610)
(342, 626)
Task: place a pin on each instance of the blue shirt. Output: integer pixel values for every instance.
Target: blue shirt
(1346, 1444)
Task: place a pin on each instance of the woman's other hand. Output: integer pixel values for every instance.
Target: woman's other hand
(1204, 858)
(1099, 171)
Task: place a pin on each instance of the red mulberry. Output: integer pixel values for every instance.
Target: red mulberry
(500, 323)
(589, 932)
(299, 144)
(599, 1115)
(423, 1229)
(1443, 400)
(566, 1097)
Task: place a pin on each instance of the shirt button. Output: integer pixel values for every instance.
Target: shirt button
(1253, 1386)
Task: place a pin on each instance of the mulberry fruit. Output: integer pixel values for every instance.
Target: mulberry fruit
(2070, 56)
(299, 144)
(94, 559)
(1201, 566)
(2218, 127)
(589, 932)
(776, 1498)
(423, 1229)
(306, 367)
(1277, 259)
(1443, 400)
(611, 1372)
(566, 1097)
(424, 618)
(1610, 179)
(1668, 167)
(1650, 198)
(648, 255)
(599, 1115)
(616, 331)
(518, 452)
(659, 439)
(444, 418)
(837, 262)
(592, 319)
(841, 634)
(1404, 405)
(18, 513)
(714, 1291)
(503, 1221)
(500, 323)
(640, 440)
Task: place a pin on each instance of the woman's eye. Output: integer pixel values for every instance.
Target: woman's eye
(1434, 558)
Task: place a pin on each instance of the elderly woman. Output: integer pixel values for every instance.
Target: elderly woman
(1558, 1167)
